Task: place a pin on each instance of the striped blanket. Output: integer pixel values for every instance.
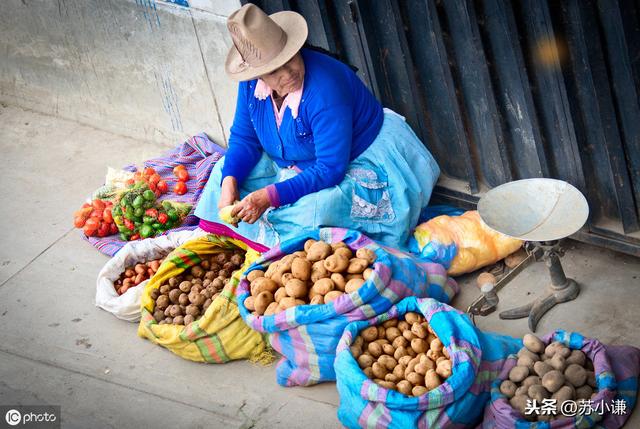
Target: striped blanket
(477, 358)
(198, 154)
(307, 335)
(617, 369)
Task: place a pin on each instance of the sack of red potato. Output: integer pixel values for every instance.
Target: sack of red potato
(134, 275)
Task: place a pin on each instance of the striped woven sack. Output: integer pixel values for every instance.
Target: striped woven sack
(220, 335)
(307, 335)
(476, 359)
(617, 369)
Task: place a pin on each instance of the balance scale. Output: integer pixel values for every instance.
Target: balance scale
(540, 212)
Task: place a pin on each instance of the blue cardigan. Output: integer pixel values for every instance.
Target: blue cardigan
(338, 119)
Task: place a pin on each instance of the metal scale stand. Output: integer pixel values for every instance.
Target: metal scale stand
(540, 212)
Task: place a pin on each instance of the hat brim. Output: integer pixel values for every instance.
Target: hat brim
(294, 25)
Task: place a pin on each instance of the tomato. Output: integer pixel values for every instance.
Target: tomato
(178, 168)
(103, 230)
(183, 175)
(134, 237)
(151, 212)
(163, 218)
(113, 229)
(83, 212)
(154, 179)
(96, 213)
(130, 182)
(137, 176)
(88, 231)
(162, 186)
(153, 186)
(149, 171)
(157, 193)
(92, 223)
(180, 188)
(98, 204)
(79, 221)
(130, 225)
(107, 216)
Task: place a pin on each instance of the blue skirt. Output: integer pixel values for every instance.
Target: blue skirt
(381, 195)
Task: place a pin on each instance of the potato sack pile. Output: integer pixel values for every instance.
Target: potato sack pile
(319, 274)
(403, 355)
(133, 276)
(184, 298)
(553, 371)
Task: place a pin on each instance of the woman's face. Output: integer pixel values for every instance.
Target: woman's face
(287, 78)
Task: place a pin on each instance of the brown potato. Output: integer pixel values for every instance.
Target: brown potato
(389, 362)
(404, 387)
(323, 286)
(508, 388)
(343, 251)
(392, 333)
(551, 349)
(367, 372)
(248, 303)
(519, 402)
(332, 296)
(366, 254)
(436, 345)
(557, 362)
(412, 318)
(317, 300)
(162, 302)
(374, 349)
(525, 361)
(178, 320)
(174, 294)
(403, 325)
(584, 392)
(192, 310)
(576, 357)
(419, 331)
(301, 269)
(541, 368)
(356, 351)
(379, 370)
(443, 369)
(419, 345)
(158, 315)
(387, 384)
(263, 284)
(357, 265)
(318, 271)
(336, 263)
(419, 390)
(531, 380)
(533, 343)
(565, 393)
(391, 377)
(280, 293)
(196, 298)
(300, 254)
(318, 250)
(287, 302)
(367, 273)
(553, 381)
(339, 281)
(538, 393)
(404, 360)
(296, 288)
(388, 349)
(307, 244)
(262, 301)
(188, 319)
(365, 360)
(400, 342)
(415, 378)
(518, 373)
(284, 279)
(576, 375)
(271, 309)
(370, 334)
(353, 285)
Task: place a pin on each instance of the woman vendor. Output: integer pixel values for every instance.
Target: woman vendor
(310, 146)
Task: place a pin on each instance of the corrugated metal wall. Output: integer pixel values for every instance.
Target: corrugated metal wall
(504, 90)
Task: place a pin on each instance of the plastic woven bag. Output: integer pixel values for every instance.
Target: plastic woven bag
(127, 305)
(220, 335)
(616, 368)
(461, 243)
(307, 335)
(457, 403)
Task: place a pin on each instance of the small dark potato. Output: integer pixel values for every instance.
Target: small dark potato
(185, 286)
(174, 294)
(155, 294)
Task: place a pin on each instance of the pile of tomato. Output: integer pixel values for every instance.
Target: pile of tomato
(96, 219)
(182, 175)
(152, 179)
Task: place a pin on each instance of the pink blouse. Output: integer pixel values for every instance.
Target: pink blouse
(291, 100)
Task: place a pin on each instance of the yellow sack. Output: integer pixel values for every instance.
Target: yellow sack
(220, 335)
(464, 243)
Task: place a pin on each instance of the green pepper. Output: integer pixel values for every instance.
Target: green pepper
(149, 195)
(167, 205)
(147, 205)
(138, 212)
(129, 215)
(173, 215)
(146, 231)
(123, 236)
(156, 225)
(148, 220)
(138, 201)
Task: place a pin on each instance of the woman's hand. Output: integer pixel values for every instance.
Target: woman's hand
(228, 192)
(252, 206)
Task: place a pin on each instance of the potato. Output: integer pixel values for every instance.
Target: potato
(196, 298)
(374, 349)
(271, 309)
(357, 265)
(287, 302)
(162, 302)
(353, 285)
(398, 371)
(565, 393)
(519, 402)
(188, 319)
(379, 370)
(168, 320)
(307, 244)
(576, 375)
(436, 345)
(317, 300)
(356, 351)
(318, 250)
(365, 360)
(538, 393)
(533, 343)
(343, 251)
(174, 294)
(553, 381)
(197, 272)
(415, 378)
(431, 380)
(522, 390)
(301, 269)
(387, 384)
(400, 341)
(336, 263)
(178, 320)
(175, 310)
(284, 279)
(404, 360)
(296, 288)
(551, 349)
(192, 310)
(419, 330)
(388, 349)
(563, 351)
(263, 284)
(366, 254)
(404, 387)
(525, 361)
(185, 286)
(518, 373)
(412, 318)
(531, 380)
(332, 296)
(591, 379)
(339, 281)
(391, 377)
(370, 334)
(392, 333)
(323, 286)
(419, 345)
(557, 362)
(158, 315)
(508, 388)
(318, 271)
(367, 273)
(353, 276)
(403, 325)
(444, 368)
(576, 357)
(419, 390)
(367, 372)
(541, 368)
(262, 301)
(280, 293)
(399, 353)
(584, 392)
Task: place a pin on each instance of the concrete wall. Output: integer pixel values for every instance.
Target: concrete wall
(146, 69)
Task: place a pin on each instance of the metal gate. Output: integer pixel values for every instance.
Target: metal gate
(504, 90)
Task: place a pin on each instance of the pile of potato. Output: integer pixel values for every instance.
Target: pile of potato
(544, 372)
(185, 298)
(403, 355)
(133, 276)
(319, 274)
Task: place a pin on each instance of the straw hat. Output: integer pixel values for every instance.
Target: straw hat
(261, 42)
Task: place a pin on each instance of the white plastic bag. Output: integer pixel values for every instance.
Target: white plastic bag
(127, 305)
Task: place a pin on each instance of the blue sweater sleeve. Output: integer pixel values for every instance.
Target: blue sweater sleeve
(332, 129)
(244, 146)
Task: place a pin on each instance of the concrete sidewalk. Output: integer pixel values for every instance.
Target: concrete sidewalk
(57, 348)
